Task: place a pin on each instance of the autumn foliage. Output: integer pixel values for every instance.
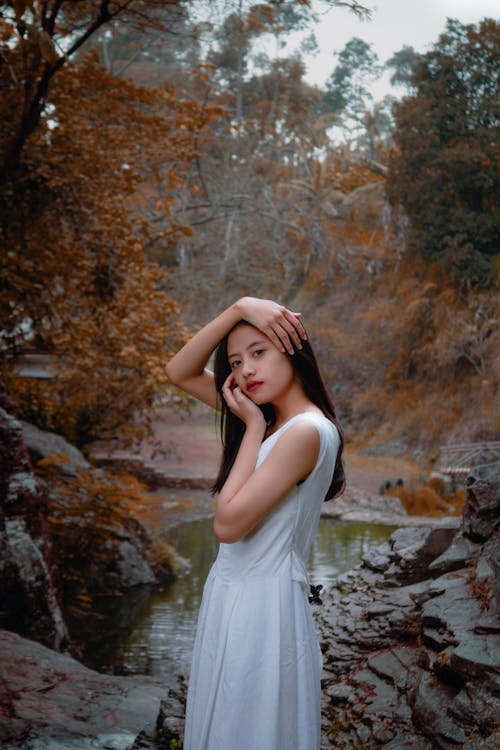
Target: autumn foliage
(74, 225)
(91, 518)
(204, 171)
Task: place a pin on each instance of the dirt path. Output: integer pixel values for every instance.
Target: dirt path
(192, 450)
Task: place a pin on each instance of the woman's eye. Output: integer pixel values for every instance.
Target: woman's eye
(234, 363)
(257, 352)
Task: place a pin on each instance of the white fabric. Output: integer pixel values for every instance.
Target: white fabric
(255, 676)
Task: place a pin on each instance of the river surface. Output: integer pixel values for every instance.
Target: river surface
(153, 630)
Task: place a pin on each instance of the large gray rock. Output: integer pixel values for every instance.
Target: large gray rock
(29, 599)
(42, 444)
(480, 512)
(50, 701)
(63, 538)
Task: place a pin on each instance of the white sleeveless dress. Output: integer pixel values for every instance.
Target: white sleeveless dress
(255, 675)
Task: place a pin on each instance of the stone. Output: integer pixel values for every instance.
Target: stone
(406, 741)
(431, 711)
(58, 704)
(339, 694)
(491, 556)
(377, 610)
(357, 505)
(29, 596)
(477, 657)
(375, 559)
(472, 706)
(42, 444)
(429, 543)
(457, 555)
(386, 664)
(134, 569)
(480, 513)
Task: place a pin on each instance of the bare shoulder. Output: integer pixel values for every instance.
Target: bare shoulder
(300, 436)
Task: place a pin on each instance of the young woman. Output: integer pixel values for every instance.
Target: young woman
(255, 676)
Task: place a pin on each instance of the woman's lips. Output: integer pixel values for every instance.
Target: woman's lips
(253, 385)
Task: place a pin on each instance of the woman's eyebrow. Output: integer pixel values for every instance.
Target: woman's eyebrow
(254, 343)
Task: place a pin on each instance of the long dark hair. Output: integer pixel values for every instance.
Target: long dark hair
(232, 428)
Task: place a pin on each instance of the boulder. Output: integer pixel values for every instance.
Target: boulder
(42, 444)
(49, 701)
(480, 511)
(65, 536)
(29, 596)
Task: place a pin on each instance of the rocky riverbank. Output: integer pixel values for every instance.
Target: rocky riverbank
(411, 636)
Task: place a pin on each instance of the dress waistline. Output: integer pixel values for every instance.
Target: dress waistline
(292, 568)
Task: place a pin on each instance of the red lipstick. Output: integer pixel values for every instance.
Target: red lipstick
(252, 385)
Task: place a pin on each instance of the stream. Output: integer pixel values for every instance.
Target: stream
(151, 631)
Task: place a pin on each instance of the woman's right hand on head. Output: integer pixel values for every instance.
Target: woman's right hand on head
(240, 405)
(281, 326)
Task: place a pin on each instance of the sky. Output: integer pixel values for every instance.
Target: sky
(394, 23)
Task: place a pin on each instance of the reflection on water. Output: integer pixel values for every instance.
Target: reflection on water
(161, 640)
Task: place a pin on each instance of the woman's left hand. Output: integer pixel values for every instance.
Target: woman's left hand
(240, 405)
(282, 326)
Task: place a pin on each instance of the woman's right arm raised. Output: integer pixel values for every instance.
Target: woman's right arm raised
(187, 369)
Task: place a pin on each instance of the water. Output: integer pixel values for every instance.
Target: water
(157, 627)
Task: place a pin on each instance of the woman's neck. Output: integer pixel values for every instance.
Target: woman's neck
(294, 402)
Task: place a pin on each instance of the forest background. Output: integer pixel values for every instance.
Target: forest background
(156, 164)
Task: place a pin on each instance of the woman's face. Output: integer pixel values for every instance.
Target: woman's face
(263, 373)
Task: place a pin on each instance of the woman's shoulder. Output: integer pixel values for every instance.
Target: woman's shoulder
(324, 426)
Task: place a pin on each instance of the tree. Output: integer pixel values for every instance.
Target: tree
(404, 65)
(348, 86)
(39, 38)
(444, 169)
(73, 218)
(350, 100)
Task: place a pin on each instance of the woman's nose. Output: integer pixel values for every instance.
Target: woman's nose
(248, 367)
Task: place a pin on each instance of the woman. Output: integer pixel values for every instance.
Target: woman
(255, 677)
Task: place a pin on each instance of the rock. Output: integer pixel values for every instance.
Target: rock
(66, 537)
(413, 549)
(386, 664)
(42, 444)
(355, 505)
(49, 701)
(431, 713)
(100, 546)
(339, 694)
(411, 639)
(490, 560)
(29, 598)
(376, 558)
(407, 742)
(460, 552)
(133, 568)
(480, 512)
